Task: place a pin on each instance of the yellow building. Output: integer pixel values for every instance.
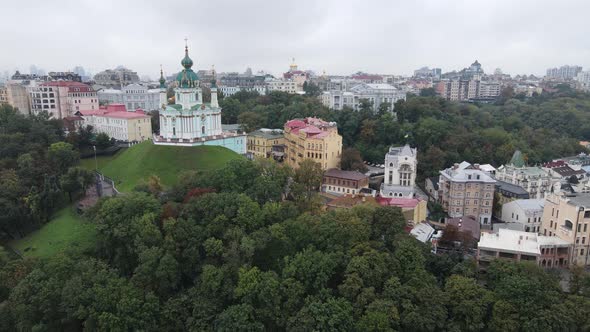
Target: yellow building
(260, 143)
(315, 139)
(118, 123)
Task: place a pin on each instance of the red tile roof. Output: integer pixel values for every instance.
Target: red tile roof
(408, 203)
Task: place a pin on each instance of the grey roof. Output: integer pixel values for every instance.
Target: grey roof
(349, 175)
(405, 150)
(580, 200)
(518, 190)
(274, 133)
(529, 204)
(434, 181)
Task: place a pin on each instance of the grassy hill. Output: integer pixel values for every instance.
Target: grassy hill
(66, 230)
(141, 161)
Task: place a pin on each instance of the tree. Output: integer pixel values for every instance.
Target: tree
(75, 180)
(62, 156)
(468, 304)
(250, 121)
(351, 160)
(307, 180)
(427, 92)
(103, 141)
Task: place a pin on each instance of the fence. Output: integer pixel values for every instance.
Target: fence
(101, 179)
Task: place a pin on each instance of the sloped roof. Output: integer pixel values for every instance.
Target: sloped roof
(349, 175)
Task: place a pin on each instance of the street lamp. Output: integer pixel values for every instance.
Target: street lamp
(95, 161)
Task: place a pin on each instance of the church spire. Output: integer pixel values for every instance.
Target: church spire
(162, 79)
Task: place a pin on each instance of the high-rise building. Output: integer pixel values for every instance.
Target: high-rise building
(426, 72)
(401, 164)
(468, 90)
(315, 139)
(564, 72)
(467, 190)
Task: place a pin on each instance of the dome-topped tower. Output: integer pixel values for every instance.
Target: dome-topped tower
(162, 79)
(187, 78)
(186, 62)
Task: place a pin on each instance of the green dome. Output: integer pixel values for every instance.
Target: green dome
(162, 80)
(186, 62)
(187, 78)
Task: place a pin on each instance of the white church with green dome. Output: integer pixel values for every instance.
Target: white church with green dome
(190, 121)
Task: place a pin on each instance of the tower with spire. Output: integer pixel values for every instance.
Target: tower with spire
(163, 90)
(190, 121)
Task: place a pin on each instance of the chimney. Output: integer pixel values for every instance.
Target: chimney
(455, 166)
(476, 166)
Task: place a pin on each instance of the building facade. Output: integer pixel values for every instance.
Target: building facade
(118, 77)
(545, 251)
(18, 97)
(133, 96)
(191, 121)
(568, 217)
(315, 139)
(284, 85)
(466, 190)
(467, 90)
(375, 93)
(62, 98)
(526, 212)
(338, 182)
(401, 164)
(564, 72)
(260, 143)
(115, 121)
(534, 180)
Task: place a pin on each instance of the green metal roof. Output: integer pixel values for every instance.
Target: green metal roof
(517, 159)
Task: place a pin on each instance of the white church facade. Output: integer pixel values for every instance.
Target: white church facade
(191, 121)
(400, 172)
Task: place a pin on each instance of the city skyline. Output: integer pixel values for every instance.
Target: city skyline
(378, 37)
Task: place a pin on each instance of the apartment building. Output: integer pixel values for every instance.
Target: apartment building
(62, 98)
(260, 143)
(315, 139)
(564, 72)
(568, 217)
(528, 213)
(466, 190)
(466, 90)
(288, 86)
(16, 95)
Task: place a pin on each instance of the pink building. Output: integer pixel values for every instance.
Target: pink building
(62, 98)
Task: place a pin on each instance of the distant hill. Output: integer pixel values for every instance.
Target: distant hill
(141, 161)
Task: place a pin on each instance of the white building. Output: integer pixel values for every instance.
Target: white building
(375, 93)
(133, 96)
(401, 164)
(545, 251)
(230, 90)
(191, 121)
(528, 213)
(534, 180)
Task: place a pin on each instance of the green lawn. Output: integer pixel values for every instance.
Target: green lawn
(66, 230)
(141, 161)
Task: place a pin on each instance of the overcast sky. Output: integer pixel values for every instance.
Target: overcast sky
(338, 36)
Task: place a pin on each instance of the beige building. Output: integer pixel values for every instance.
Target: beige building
(289, 86)
(567, 217)
(3, 94)
(260, 143)
(119, 124)
(466, 190)
(15, 95)
(315, 139)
